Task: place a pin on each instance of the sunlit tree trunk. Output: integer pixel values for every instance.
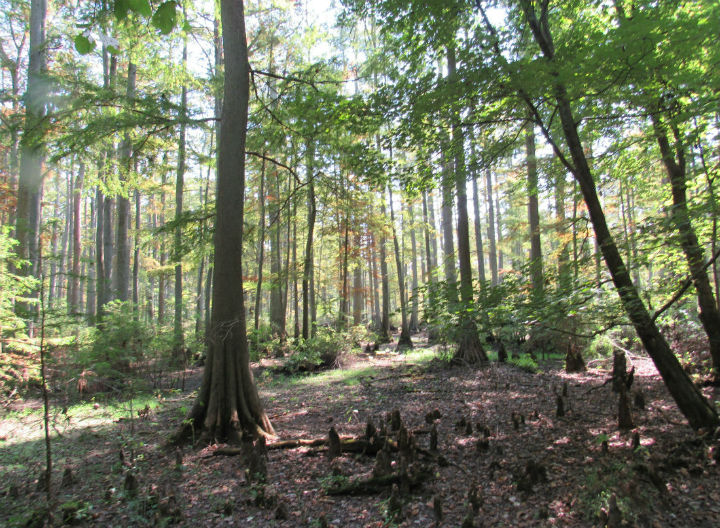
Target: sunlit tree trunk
(228, 404)
(32, 153)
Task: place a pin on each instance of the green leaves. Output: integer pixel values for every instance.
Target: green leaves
(141, 7)
(165, 17)
(123, 7)
(83, 45)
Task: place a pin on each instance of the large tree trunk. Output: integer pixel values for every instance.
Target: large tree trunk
(470, 349)
(122, 261)
(676, 170)
(447, 227)
(228, 403)
(536, 263)
(277, 313)
(699, 413)
(32, 153)
(404, 340)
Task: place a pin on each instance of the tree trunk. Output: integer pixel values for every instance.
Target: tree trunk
(74, 293)
(470, 349)
(136, 256)
(384, 331)
(676, 170)
(308, 264)
(122, 261)
(478, 232)
(261, 247)
(179, 188)
(228, 404)
(277, 317)
(32, 154)
(108, 247)
(54, 255)
(414, 313)
(536, 264)
(447, 227)
(560, 229)
(357, 282)
(100, 285)
(404, 341)
(491, 229)
(296, 297)
(690, 400)
(162, 274)
(377, 318)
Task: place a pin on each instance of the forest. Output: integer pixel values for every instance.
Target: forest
(360, 263)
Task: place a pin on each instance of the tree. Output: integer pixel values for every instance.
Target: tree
(32, 153)
(536, 264)
(689, 399)
(404, 341)
(470, 349)
(228, 404)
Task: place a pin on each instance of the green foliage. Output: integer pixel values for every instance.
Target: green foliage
(75, 511)
(83, 45)
(13, 287)
(116, 348)
(165, 17)
(600, 347)
(525, 362)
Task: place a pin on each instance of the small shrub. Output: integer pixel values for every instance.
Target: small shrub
(600, 347)
(117, 351)
(526, 363)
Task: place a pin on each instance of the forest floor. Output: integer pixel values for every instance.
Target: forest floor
(670, 480)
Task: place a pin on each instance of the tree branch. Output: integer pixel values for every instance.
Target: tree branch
(685, 285)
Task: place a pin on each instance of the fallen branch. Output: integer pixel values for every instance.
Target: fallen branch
(348, 444)
(375, 485)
